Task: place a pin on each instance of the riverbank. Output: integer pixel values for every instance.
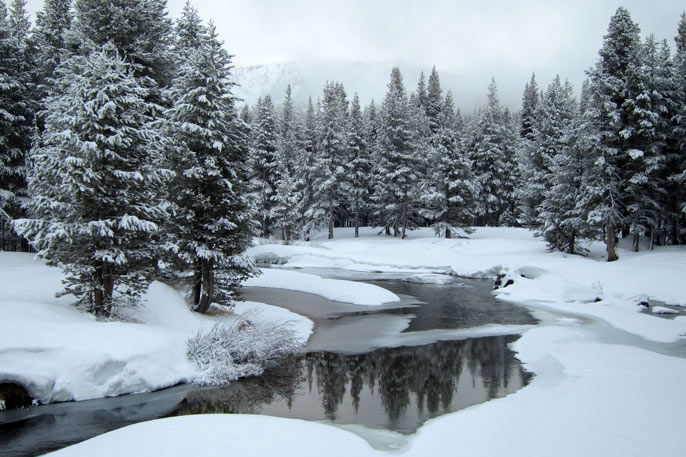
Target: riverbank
(588, 397)
(57, 353)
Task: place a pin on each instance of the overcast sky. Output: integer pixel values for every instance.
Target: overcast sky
(505, 39)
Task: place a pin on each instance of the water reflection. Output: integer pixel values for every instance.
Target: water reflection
(397, 389)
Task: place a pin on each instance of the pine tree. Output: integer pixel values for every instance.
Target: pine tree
(677, 161)
(16, 117)
(211, 225)
(189, 31)
(287, 210)
(530, 102)
(562, 139)
(359, 167)
(396, 196)
(434, 102)
(450, 198)
(95, 192)
(611, 89)
(139, 29)
(264, 163)
(19, 22)
(488, 148)
(645, 112)
(306, 170)
(328, 178)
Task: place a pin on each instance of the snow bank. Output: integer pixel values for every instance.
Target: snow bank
(61, 354)
(567, 282)
(220, 435)
(333, 289)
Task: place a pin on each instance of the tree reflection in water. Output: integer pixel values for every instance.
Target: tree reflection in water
(393, 388)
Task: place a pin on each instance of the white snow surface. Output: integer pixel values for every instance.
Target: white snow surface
(333, 289)
(61, 354)
(588, 397)
(570, 283)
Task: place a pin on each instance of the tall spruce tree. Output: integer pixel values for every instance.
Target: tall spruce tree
(359, 166)
(264, 163)
(612, 93)
(450, 198)
(287, 204)
(328, 179)
(488, 149)
(211, 224)
(16, 117)
(96, 196)
(396, 196)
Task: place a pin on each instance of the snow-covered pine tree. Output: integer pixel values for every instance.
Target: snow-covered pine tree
(561, 140)
(359, 166)
(139, 29)
(16, 118)
(611, 89)
(48, 34)
(677, 162)
(434, 102)
(287, 210)
(331, 155)
(396, 196)
(450, 199)
(95, 195)
(306, 170)
(552, 122)
(189, 31)
(530, 102)
(19, 22)
(487, 148)
(646, 112)
(211, 224)
(264, 163)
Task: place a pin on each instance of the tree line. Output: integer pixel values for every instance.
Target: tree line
(607, 163)
(124, 155)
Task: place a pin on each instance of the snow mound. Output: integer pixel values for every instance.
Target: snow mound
(60, 354)
(663, 310)
(332, 289)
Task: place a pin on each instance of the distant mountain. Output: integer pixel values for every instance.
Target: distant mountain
(369, 80)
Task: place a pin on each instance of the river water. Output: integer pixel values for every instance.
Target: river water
(368, 369)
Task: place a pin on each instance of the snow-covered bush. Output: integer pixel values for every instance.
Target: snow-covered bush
(231, 351)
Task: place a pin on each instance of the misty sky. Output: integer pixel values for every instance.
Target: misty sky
(473, 40)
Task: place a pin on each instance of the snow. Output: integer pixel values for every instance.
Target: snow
(332, 289)
(564, 282)
(588, 396)
(663, 310)
(61, 354)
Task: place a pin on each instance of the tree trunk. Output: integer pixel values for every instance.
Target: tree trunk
(357, 219)
(447, 232)
(104, 289)
(197, 285)
(572, 241)
(402, 237)
(207, 272)
(636, 236)
(610, 241)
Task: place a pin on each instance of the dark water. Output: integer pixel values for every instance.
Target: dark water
(392, 388)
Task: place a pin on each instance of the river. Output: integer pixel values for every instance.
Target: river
(379, 371)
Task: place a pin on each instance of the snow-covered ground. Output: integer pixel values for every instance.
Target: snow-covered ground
(588, 397)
